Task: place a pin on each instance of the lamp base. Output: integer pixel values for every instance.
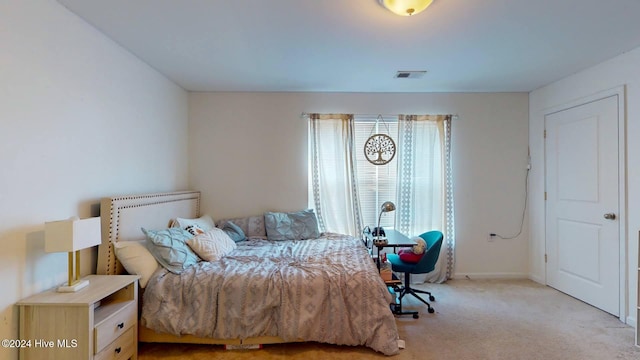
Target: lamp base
(76, 286)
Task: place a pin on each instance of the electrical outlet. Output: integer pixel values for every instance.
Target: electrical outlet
(491, 236)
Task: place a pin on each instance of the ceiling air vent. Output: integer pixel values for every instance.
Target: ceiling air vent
(409, 74)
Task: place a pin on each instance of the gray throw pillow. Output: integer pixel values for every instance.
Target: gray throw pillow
(170, 248)
(298, 225)
(234, 231)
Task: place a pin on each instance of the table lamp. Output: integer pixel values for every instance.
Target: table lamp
(71, 236)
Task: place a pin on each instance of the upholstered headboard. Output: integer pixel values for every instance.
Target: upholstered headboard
(123, 216)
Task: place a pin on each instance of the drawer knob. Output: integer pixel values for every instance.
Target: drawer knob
(121, 325)
(118, 349)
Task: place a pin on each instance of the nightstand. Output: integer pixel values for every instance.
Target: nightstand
(98, 322)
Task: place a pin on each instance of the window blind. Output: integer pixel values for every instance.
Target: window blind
(376, 183)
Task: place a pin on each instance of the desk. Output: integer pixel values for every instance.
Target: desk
(395, 239)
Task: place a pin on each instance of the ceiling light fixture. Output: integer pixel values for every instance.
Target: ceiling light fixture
(405, 7)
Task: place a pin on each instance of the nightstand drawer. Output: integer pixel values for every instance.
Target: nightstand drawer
(118, 321)
(121, 348)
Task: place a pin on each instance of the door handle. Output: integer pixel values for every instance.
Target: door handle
(610, 216)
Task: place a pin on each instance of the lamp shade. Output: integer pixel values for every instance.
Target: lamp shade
(387, 206)
(71, 235)
(405, 7)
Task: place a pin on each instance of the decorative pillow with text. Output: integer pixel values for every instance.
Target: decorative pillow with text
(204, 222)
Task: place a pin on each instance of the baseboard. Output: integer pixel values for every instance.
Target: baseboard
(478, 276)
(540, 280)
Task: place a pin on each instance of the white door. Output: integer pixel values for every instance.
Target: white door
(582, 207)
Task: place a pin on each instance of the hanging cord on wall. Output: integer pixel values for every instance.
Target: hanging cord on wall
(524, 208)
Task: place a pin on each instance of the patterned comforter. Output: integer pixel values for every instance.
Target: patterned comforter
(325, 290)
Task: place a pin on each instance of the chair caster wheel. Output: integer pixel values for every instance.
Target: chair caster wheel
(415, 316)
(431, 311)
(432, 298)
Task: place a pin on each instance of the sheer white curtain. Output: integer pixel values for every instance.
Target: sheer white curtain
(333, 173)
(421, 175)
(425, 193)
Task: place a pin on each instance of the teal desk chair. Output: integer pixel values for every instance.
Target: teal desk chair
(426, 264)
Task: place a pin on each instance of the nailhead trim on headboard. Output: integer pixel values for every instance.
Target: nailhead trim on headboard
(107, 263)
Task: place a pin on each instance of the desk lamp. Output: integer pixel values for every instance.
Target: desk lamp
(387, 206)
(71, 236)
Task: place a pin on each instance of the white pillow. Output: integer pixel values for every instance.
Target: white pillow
(212, 245)
(136, 259)
(205, 222)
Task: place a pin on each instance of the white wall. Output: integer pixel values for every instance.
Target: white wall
(623, 70)
(80, 118)
(248, 154)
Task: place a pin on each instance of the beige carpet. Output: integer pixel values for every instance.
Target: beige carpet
(474, 319)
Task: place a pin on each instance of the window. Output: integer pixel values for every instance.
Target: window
(347, 191)
(376, 183)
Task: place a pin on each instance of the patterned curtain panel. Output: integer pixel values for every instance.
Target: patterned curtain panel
(425, 185)
(333, 173)
(447, 264)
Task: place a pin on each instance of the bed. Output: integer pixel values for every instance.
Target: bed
(323, 290)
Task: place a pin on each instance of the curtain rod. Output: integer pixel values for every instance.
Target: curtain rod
(305, 115)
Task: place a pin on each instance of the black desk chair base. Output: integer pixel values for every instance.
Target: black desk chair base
(396, 308)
